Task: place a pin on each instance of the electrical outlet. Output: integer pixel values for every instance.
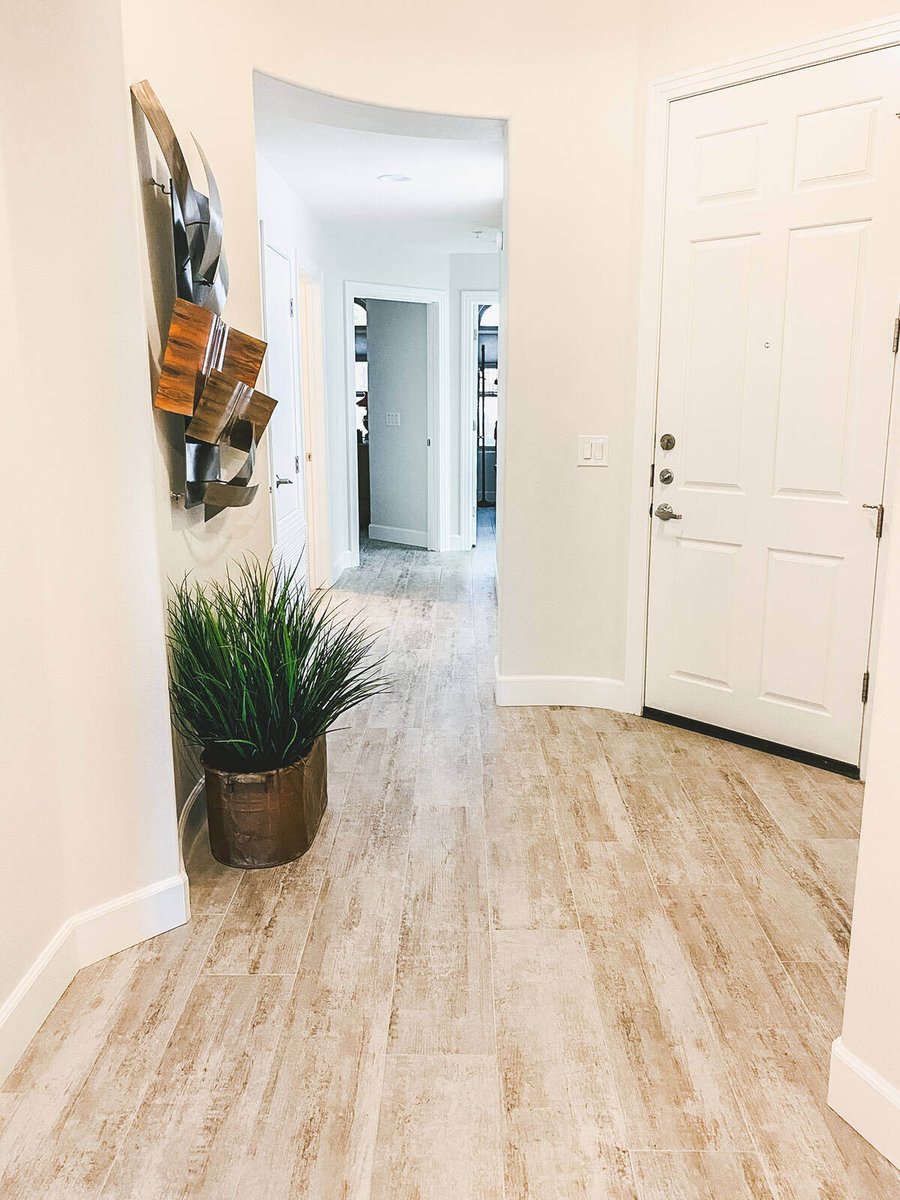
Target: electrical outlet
(392, 418)
(593, 450)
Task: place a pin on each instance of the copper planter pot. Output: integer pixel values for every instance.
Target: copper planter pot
(266, 818)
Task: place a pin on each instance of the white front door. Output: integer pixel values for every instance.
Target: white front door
(285, 428)
(781, 282)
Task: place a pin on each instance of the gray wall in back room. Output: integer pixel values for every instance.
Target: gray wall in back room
(398, 383)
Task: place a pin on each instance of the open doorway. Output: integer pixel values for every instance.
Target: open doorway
(488, 377)
(391, 406)
(479, 409)
(396, 348)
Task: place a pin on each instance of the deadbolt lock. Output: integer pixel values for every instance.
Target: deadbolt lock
(667, 441)
(666, 476)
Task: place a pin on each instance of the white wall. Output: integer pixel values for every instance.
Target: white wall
(87, 806)
(398, 383)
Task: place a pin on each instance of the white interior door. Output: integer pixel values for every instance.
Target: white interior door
(285, 428)
(781, 280)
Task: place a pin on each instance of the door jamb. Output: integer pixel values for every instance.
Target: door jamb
(437, 419)
(468, 404)
(846, 43)
(311, 333)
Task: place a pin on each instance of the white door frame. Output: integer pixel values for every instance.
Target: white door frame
(311, 332)
(468, 409)
(874, 35)
(437, 416)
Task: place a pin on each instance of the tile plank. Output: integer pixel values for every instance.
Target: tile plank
(80, 1093)
(563, 1128)
(442, 995)
(439, 1130)
(671, 1068)
(187, 1139)
(700, 1176)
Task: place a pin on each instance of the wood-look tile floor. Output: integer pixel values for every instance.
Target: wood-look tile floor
(554, 954)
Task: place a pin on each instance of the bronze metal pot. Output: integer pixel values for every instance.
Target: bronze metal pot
(266, 818)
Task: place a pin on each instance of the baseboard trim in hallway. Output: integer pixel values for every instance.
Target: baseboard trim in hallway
(84, 939)
(865, 1100)
(417, 538)
(569, 691)
(343, 562)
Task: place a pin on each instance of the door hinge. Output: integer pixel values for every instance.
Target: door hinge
(879, 520)
(865, 687)
(652, 473)
(291, 305)
(297, 463)
(896, 343)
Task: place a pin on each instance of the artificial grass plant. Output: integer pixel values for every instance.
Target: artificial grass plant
(261, 667)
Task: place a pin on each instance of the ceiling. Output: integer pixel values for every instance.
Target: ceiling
(332, 151)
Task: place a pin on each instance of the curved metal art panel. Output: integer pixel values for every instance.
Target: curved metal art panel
(209, 371)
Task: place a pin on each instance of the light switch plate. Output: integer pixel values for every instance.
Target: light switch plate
(593, 450)
(392, 418)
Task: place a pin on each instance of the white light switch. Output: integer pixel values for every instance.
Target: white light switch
(593, 450)
(392, 418)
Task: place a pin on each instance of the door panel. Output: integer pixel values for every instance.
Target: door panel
(822, 312)
(714, 393)
(781, 279)
(285, 429)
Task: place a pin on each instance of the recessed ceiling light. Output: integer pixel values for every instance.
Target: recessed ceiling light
(393, 178)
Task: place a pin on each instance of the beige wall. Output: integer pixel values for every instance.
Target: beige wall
(87, 813)
(573, 89)
(568, 86)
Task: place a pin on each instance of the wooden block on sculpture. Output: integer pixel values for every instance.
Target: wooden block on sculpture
(230, 411)
(216, 407)
(242, 357)
(254, 414)
(192, 348)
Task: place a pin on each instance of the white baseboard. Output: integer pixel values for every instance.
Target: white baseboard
(567, 691)
(865, 1100)
(84, 939)
(405, 537)
(343, 561)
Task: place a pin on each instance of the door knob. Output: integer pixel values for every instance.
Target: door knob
(279, 480)
(665, 513)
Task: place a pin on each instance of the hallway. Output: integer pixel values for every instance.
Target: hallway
(548, 953)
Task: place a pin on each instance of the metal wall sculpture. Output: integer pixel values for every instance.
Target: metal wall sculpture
(209, 371)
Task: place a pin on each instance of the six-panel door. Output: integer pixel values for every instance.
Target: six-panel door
(781, 281)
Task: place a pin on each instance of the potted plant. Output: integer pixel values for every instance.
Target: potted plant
(261, 668)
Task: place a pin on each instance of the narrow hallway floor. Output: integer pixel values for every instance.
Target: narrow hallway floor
(554, 954)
